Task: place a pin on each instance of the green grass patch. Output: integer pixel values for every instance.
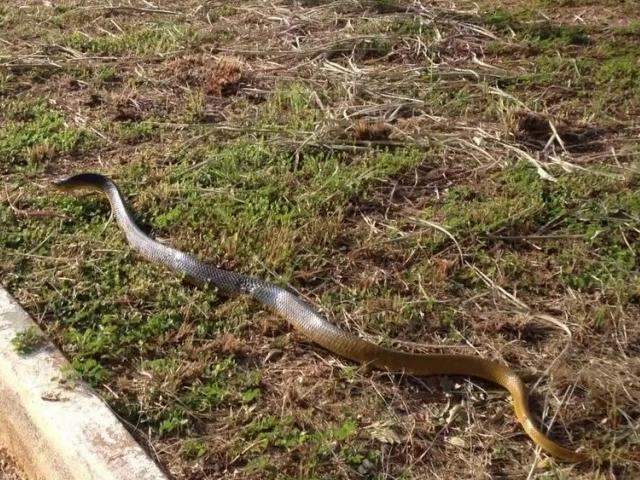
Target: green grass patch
(290, 106)
(35, 133)
(28, 341)
(620, 73)
(132, 132)
(542, 34)
(248, 191)
(593, 213)
(154, 39)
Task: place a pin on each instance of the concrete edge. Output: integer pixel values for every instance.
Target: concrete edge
(56, 433)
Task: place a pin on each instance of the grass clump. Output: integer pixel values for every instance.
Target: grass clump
(149, 40)
(292, 107)
(621, 73)
(88, 370)
(193, 449)
(36, 133)
(28, 341)
(547, 35)
(107, 74)
(132, 132)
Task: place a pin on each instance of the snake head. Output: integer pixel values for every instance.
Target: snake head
(82, 180)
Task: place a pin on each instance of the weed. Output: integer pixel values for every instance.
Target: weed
(90, 371)
(193, 449)
(500, 19)
(195, 107)
(107, 74)
(173, 422)
(292, 106)
(28, 341)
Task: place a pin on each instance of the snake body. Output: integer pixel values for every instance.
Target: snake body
(304, 317)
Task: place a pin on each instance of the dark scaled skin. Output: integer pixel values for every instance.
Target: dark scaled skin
(304, 318)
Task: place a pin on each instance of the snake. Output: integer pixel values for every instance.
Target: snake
(306, 319)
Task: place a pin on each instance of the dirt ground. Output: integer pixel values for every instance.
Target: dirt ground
(8, 470)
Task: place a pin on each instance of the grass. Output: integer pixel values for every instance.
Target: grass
(159, 38)
(319, 155)
(35, 133)
(28, 341)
